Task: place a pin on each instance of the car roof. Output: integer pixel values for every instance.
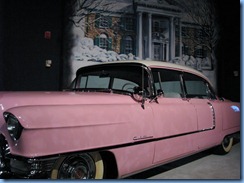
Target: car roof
(159, 64)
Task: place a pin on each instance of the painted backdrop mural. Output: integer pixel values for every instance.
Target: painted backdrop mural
(184, 32)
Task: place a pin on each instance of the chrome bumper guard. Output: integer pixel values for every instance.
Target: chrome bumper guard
(21, 167)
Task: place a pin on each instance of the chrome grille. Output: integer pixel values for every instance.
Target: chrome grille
(41, 166)
(4, 147)
(23, 167)
(4, 156)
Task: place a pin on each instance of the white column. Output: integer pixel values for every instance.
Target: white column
(172, 39)
(167, 51)
(139, 33)
(180, 37)
(150, 35)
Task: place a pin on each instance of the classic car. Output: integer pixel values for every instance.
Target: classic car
(118, 119)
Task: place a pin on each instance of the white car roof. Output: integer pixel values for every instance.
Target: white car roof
(161, 64)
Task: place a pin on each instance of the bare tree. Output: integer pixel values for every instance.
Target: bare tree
(76, 14)
(78, 10)
(202, 13)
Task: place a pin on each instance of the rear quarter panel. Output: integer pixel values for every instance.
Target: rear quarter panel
(227, 122)
(231, 115)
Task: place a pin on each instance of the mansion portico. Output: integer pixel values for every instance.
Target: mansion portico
(148, 29)
(156, 30)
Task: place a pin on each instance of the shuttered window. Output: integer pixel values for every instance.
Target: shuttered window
(103, 41)
(103, 21)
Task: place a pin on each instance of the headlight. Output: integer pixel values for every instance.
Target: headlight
(13, 125)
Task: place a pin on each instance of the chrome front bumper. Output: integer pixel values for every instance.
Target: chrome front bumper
(21, 167)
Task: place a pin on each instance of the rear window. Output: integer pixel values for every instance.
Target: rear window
(196, 87)
(167, 81)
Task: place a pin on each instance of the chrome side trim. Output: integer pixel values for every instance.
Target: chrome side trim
(213, 115)
(213, 112)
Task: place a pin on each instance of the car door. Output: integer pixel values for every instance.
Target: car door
(175, 117)
(201, 96)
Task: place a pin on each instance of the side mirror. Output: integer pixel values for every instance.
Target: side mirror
(139, 95)
(160, 92)
(138, 90)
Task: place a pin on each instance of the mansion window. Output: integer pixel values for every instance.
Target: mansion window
(128, 44)
(156, 26)
(129, 24)
(158, 29)
(103, 21)
(103, 41)
(159, 26)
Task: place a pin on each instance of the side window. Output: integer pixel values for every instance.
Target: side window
(196, 87)
(120, 78)
(93, 82)
(167, 81)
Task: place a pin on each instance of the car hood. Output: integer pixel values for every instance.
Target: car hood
(17, 99)
(10, 100)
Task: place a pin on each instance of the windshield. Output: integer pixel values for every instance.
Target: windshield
(114, 77)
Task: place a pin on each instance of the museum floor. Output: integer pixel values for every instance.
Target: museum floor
(203, 165)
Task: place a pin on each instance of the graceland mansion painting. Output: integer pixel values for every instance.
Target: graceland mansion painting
(184, 32)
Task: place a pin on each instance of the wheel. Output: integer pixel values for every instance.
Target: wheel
(225, 146)
(81, 166)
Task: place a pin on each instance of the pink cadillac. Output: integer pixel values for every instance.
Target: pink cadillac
(118, 119)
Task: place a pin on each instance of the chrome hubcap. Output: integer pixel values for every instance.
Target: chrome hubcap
(77, 167)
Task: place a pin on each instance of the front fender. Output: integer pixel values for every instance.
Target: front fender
(49, 130)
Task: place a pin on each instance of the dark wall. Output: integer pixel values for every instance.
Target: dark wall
(25, 48)
(228, 52)
(1, 43)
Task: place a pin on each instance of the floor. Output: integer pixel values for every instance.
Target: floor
(203, 165)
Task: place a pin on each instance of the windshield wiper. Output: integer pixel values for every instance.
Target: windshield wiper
(93, 89)
(106, 90)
